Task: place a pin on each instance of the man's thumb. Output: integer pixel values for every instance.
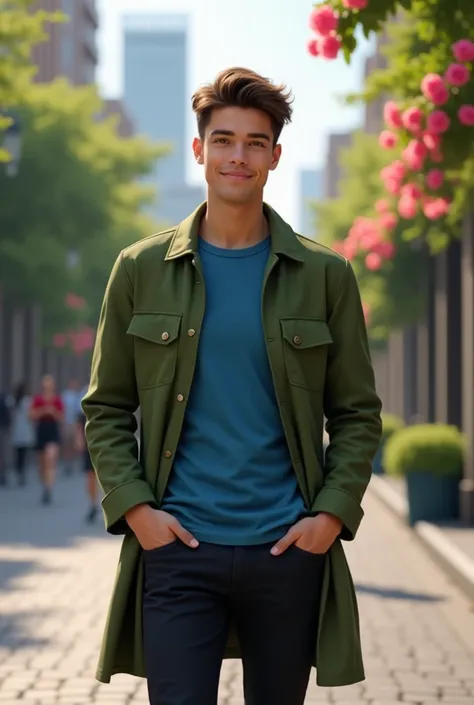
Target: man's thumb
(184, 535)
(285, 542)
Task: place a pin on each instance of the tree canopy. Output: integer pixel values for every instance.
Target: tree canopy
(77, 190)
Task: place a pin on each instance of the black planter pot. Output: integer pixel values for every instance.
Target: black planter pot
(432, 497)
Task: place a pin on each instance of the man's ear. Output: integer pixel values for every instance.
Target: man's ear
(198, 150)
(276, 156)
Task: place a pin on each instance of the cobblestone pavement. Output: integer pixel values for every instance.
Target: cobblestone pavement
(56, 575)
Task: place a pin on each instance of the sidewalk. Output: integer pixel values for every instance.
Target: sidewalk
(450, 544)
(56, 574)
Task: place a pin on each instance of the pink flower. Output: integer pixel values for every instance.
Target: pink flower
(435, 208)
(355, 4)
(407, 207)
(457, 74)
(373, 261)
(75, 302)
(369, 239)
(382, 205)
(438, 121)
(388, 221)
(463, 50)
(434, 179)
(338, 246)
(392, 115)
(392, 176)
(411, 191)
(395, 170)
(312, 47)
(434, 89)
(436, 156)
(329, 46)
(387, 139)
(350, 250)
(59, 340)
(412, 119)
(415, 154)
(386, 250)
(398, 169)
(392, 186)
(323, 20)
(431, 140)
(466, 115)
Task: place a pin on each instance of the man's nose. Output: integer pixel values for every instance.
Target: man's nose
(238, 154)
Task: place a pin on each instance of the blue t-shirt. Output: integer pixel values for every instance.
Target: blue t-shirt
(232, 481)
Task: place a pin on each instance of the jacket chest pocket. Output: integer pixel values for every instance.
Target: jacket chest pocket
(156, 337)
(305, 349)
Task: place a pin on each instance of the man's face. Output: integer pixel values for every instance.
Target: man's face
(237, 153)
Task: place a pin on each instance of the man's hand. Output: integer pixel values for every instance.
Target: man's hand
(313, 534)
(155, 528)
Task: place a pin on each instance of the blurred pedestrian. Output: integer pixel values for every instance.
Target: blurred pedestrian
(72, 406)
(4, 430)
(92, 488)
(47, 410)
(22, 430)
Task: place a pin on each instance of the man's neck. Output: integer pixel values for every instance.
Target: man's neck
(234, 226)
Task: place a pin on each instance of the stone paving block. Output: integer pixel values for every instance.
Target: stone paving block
(50, 636)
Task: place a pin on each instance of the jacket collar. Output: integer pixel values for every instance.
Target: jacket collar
(283, 238)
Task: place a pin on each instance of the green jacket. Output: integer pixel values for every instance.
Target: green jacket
(145, 355)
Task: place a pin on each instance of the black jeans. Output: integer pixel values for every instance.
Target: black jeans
(191, 597)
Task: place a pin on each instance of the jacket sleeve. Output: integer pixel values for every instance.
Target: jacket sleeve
(110, 405)
(352, 409)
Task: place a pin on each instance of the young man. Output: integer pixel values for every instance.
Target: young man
(236, 337)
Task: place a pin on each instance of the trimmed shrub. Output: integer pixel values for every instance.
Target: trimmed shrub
(433, 448)
(390, 425)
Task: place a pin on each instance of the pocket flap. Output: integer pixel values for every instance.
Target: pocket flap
(161, 328)
(305, 332)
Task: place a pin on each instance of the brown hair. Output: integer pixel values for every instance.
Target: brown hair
(243, 88)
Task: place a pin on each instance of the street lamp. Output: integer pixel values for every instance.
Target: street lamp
(12, 140)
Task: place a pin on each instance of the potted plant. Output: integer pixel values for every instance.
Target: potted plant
(430, 457)
(390, 424)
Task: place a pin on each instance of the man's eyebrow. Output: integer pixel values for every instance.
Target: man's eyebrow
(229, 133)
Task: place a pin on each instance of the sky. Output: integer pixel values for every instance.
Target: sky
(270, 37)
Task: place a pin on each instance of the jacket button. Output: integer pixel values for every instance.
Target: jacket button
(165, 336)
(191, 332)
(180, 397)
(168, 454)
(297, 340)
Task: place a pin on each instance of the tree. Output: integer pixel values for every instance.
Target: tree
(427, 184)
(77, 190)
(431, 110)
(393, 294)
(20, 29)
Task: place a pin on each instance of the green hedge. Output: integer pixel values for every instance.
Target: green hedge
(435, 448)
(390, 424)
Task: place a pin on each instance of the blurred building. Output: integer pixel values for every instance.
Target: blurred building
(333, 171)
(373, 113)
(71, 50)
(155, 78)
(310, 189)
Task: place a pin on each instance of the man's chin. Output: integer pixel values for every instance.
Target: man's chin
(234, 197)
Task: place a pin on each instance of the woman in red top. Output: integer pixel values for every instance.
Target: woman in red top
(47, 411)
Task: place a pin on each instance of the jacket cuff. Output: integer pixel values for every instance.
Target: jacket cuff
(343, 506)
(121, 499)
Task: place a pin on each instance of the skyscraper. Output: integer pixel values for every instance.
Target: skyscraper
(155, 92)
(310, 189)
(71, 49)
